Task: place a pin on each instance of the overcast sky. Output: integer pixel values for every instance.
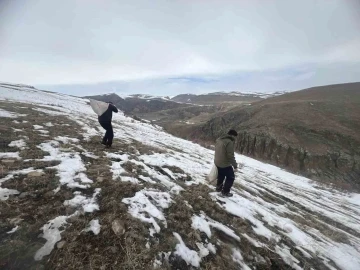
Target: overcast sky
(171, 47)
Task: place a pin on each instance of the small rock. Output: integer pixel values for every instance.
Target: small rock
(57, 203)
(69, 210)
(100, 179)
(8, 161)
(35, 174)
(23, 195)
(68, 195)
(66, 149)
(15, 221)
(49, 194)
(197, 236)
(73, 218)
(118, 227)
(60, 244)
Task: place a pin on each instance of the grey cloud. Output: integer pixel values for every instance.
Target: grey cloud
(78, 41)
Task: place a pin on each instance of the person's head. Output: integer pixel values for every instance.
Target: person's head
(110, 102)
(232, 133)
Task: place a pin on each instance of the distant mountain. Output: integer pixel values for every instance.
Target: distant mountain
(224, 97)
(246, 94)
(145, 96)
(137, 104)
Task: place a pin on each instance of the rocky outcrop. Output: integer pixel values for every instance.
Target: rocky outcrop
(333, 165)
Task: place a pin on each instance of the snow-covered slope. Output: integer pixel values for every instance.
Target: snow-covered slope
(275, 219)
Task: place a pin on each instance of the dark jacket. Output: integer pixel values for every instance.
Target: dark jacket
(224, 152)
(107, 115)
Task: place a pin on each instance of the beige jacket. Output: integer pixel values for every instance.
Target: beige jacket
(224, 152)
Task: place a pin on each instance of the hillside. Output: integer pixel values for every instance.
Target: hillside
(161, 110)
(189, 114)
(214, 99)
(315, 132)
(68, 203)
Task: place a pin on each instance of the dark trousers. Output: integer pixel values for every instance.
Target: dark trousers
(109, 134)
(227, 173)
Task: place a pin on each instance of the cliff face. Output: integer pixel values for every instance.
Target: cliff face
(336, 164)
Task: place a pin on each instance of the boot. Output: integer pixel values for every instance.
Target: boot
(226, 194)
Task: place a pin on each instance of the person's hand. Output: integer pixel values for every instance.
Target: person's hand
(235, 169)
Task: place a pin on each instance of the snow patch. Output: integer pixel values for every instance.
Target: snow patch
(66, 140)
(89, 205)
(191, 257)
(246, 209)
(49, 124)
(17, 172)
(94, 226)
(52, 234)
(122, 157)
(288, 257)
(237, 257)
(7, 114)
(71, 167)
(203, 224)
(38, 127)
(146, 205)
(19, 144)
(200, 223)
(162, 256)
(5, 193)
(13, 230)
(10, 155)
(116, 170)
(129, 179)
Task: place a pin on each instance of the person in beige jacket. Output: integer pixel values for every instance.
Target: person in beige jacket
(225, 162)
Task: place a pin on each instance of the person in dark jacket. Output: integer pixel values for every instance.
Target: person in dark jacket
(105, 122)
(225, 162)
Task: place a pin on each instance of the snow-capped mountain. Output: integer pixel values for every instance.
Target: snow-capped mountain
(247, 94)
(136, 104)
(146, 203)
(222, 97)
(148, 97)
